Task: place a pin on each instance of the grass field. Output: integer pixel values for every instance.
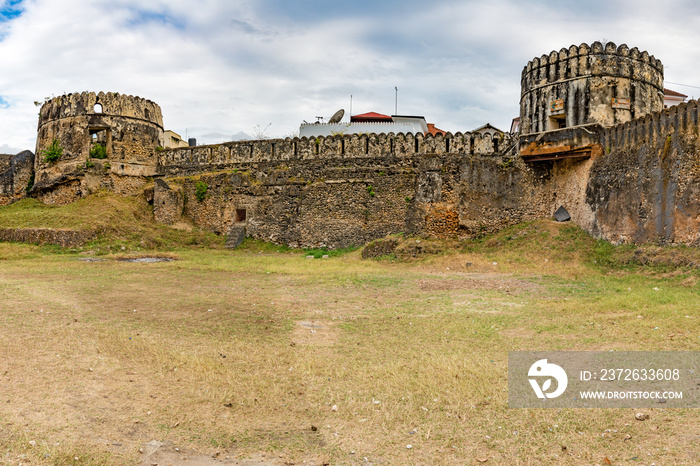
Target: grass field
(262, 353)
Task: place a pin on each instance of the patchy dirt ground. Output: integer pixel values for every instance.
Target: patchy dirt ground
(165, 454)
(489, 282)
(241, 358)
(315, 332)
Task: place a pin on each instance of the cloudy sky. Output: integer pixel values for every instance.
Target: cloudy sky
(219, 68)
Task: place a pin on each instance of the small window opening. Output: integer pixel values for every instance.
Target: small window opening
(147, 113)
(557, 122)
(241, 215)
(416, 144)
(447, 146)
(98, 108)
(367, 145)
(342, 146)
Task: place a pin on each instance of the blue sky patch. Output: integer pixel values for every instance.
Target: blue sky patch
(9, 10)
(142, 17)
(4, 103)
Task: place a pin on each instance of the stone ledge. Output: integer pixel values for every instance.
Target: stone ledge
(65, 238)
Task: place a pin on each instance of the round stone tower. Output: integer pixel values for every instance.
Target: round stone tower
(98, 138)
(602, 84)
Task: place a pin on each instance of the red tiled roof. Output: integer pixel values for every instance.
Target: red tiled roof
(371, 116)
(432, 129)
(670, 93)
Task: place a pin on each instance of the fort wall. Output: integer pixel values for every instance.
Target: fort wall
(333, 192)
(647, 186)
(192, 160)
(340, 202)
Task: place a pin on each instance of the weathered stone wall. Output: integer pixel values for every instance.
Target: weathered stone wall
(646, 189)
(378, 186)
(587, 79)
(65, 238)
(333, 192)
(17, 177)
(5, 160)
(194, 160)
(130, 129)
(315, 204)
(168, 202)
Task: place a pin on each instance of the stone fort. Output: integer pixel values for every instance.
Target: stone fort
(594, 139)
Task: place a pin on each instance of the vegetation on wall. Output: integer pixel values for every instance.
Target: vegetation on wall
(30, 184)
(53, 152)
(200, 190)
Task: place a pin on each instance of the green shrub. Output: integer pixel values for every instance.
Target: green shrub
(53, 152)
(30, 184)
(98, 151)
(200, 191)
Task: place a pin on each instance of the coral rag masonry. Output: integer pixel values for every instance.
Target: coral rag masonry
(604, 379)
(594, 140)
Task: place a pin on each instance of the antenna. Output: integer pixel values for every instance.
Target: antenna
(396, 101)
(337, 116)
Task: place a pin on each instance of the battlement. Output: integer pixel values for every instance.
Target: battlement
(594, 60)
(231, 154)
(653, 130)
(105, 104)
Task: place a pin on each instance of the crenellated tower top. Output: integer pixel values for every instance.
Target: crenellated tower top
(600, 83)
(105, 104)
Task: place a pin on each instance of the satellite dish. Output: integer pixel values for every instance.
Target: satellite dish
(337, 116)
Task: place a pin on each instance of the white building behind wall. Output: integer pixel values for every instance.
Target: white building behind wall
(365, 124)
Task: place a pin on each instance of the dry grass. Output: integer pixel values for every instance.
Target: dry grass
(121, 223)
(258, 352)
